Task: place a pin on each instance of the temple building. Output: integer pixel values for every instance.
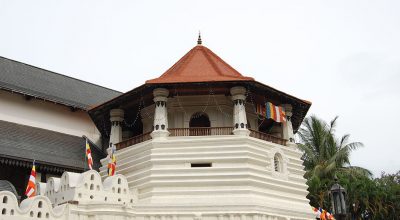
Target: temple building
(192, 144)
(43, 117)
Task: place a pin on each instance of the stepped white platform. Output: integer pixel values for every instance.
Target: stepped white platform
(233, 176)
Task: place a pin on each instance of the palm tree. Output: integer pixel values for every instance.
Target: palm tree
(325, 156)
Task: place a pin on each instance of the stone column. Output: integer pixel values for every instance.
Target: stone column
(239, 111)
(116, 118)
(160, 125)
(287, 126)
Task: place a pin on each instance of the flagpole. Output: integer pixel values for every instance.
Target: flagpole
(85, 159)
(109, 155)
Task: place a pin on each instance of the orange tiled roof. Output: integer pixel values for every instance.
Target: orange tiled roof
(200, 64)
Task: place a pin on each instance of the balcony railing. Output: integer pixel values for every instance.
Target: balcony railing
(267, 137)
(207, 131)
(134, 140)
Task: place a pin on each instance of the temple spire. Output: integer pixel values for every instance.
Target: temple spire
(199, 41)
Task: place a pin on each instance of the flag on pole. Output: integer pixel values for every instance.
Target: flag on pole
(322, 214)
(275, 113)
(271, 111)
(30, 188)
(112, 161)
(89, 155)
(260, 109)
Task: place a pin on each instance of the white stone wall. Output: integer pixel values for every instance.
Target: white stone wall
(46, 115)
(241, 180)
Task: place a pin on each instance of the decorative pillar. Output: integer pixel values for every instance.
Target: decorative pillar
(287, 127)
(239, 111)
(116, 118)
(160, 125)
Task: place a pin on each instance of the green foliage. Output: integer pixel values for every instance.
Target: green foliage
(326, 156)
(380, 197)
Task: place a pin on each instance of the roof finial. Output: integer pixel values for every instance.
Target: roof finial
(199, 39)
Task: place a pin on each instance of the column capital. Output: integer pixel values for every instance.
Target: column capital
(160, 92)
(116, 115)
(160, 95)
(238, 92)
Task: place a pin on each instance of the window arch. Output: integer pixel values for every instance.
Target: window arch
(278, 163)
(199, 119)
(199, 124)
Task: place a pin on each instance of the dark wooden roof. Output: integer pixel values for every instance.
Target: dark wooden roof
(36, 82)
(23, 143)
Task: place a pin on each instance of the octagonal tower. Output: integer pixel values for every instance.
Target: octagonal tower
(196, 141)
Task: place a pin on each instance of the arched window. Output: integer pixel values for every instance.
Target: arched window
(199, 120)
(199, 124)
(278, 163)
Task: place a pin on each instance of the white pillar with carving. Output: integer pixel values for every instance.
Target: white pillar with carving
(287, 126)
(160, 124)
(239, 111)
(116, 118)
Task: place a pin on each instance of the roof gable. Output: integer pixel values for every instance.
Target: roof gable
(200, 64)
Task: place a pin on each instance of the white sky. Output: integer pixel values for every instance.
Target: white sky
(341, 55)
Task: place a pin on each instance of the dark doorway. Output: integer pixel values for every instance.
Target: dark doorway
(199, 124)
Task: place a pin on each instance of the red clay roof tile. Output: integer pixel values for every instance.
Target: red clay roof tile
(200, 64)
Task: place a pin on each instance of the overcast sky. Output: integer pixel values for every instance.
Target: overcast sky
(344, 56)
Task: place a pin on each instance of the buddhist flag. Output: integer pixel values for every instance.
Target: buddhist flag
(317, 212)
(30, 188)
(112, 162)
(275, 113)
(260, 109)
(322, 214)
(89, 155)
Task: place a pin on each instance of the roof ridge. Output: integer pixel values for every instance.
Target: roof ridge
(183, 62)
(211, 61)
(60, 74)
